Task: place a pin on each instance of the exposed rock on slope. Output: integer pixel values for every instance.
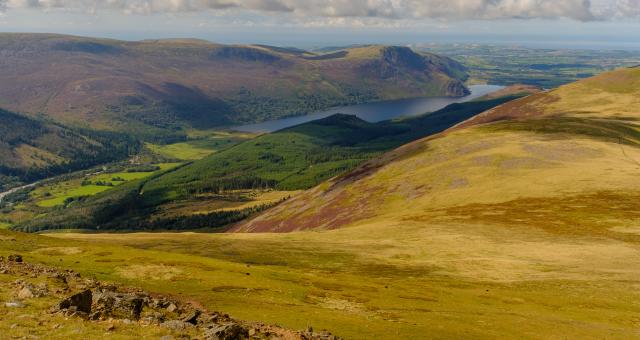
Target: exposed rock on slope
(112, 305)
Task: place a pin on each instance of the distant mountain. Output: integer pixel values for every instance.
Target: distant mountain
(32, 149)
(565, 161)
(155, 87)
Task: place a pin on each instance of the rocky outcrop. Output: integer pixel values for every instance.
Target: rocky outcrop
(80, 302)
(456, 88)
(97, 301)
(403, 57)
(15, 258)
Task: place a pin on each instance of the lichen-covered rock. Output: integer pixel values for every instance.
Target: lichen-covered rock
(117, 305)
(176, 325)
(79, 302)
(227, 331)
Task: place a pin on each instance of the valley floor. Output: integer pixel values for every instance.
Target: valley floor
(381, 280)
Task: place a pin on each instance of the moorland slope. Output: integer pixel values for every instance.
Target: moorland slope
(566, 160)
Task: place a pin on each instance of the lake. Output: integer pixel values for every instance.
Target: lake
(375, 112)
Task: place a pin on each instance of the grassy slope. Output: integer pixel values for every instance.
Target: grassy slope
(295, 158)
(154, 87)
(532, 150)
(539, 241)
(303, 156)
(407, 280)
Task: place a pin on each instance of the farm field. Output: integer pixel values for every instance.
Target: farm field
(199, 145)
(56, 194)
(549, 68)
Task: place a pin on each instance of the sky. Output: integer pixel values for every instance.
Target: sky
(602, 24)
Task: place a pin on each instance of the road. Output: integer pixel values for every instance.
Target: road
(8, 192)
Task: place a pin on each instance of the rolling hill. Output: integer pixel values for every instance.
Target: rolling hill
(517, 224)
(222, 187)
(525, 226)
(31, 149)
(155, 87)
(564, 161)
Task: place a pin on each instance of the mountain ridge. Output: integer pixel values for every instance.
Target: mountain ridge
(157, 87)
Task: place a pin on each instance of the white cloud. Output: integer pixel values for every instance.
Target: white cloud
(388, 9)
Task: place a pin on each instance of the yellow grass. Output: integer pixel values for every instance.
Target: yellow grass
(389, 279)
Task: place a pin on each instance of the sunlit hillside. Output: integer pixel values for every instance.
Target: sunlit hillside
(550, 157)
(525, 227)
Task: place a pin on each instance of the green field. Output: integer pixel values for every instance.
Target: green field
(200, 145)
(56, 194)
(78, 191)
(549, 68)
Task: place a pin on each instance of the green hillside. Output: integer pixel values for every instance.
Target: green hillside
(213, 192)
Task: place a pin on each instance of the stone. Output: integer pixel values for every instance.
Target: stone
(15, 258)
(227, 331)
(192, 317)
(176, 325)
(14, 304)
(25, 293)
(80, 302)
(172, 308)
(117, 305)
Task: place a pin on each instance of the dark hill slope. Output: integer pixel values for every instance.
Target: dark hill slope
(158, 86)
(31, 149)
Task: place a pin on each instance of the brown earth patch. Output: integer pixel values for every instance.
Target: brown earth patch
(593, 214)
(518, 109)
